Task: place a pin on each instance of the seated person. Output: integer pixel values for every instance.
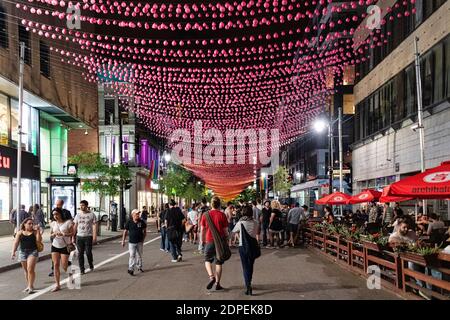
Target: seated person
(434, 223)
(404, 235)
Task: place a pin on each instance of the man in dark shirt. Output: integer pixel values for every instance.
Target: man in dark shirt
(137, 231)
(175, 223)
(66, 215)
(144, 214)
(165, 245)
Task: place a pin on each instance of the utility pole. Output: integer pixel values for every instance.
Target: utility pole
(19, 135)
(331, 153)
(121, 201)
(420, 114)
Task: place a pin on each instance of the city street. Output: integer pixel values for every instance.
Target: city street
(286, 274)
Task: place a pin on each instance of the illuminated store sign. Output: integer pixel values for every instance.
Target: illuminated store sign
(8, 164)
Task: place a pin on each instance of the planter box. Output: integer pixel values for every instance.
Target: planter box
(373, 246)
(428, 260)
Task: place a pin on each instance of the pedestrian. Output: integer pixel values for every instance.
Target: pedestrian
(65, 215)
(249, 250)
(85, 233)
(388, 214)
(175, 221)
(275, 224)
(22, 216)
(165, 245)
(284, 231)
(61, 233)
(26, 240)
(329, 216)
(144, 214)
(265, 220)
(256, 217)
(295, 215)
(136, 229)
(193, 221)
(203, 209)
(229, 213)
(38, 218)
(220, 223)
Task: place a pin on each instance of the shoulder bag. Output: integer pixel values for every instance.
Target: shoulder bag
(223, 252)
(250, 244)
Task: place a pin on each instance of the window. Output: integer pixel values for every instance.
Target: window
(30, 126)
(44, 56)
(427, 69)
(4, 120)
(3, 29)
(109, 111)
(24, 36)
(447, 67)
(410, 90)
(438, 81)
(4, 198)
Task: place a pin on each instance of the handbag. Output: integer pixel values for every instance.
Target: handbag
(70, 246)
(250, 244)
(223, 252)
(39, 246)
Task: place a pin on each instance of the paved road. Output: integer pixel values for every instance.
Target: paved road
(279, 274)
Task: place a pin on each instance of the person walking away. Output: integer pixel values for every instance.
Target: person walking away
(247, 224)
(275, 224)
(136, 229)
(265, 220)
(165, 246)
(293, 219)
(22, 216)
(38, 218)
(144, 214)
(61, 233)
(220, 222)
(175, 220)
(256, 217)
(26, 240)
(85, 234)
(373, 213)
(193, 220)
(284, 231)
(230, 219)
(203, 209)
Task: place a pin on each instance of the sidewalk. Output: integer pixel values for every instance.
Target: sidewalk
(6, 243)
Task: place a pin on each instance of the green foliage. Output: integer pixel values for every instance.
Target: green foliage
(248, 194)
(424, 251)
(281, 183)
(98, 176)
(181, 183)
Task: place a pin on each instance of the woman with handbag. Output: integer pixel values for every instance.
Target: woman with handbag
(249, 250)
(61, 232)
(275, 223)
(29, 242)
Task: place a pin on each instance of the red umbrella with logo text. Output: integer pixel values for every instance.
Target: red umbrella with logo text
(334, 199)
(365, 196)
(432, 184)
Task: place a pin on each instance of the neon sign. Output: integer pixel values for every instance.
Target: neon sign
(5, 162)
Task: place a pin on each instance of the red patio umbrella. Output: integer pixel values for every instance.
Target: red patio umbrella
(334, 199)
(365, 196)
(385, 197)
(432, 184)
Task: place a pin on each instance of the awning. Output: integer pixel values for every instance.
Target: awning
(365, 196)
(335, 199)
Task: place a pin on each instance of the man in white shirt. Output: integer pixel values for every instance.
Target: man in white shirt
(86, 234)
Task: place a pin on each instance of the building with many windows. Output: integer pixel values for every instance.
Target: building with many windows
(386, 148)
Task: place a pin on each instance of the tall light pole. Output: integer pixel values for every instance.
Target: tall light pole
(420, 114)
(19, 135)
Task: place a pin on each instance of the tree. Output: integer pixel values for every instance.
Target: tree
(97, 176)
(247, 195)
(281, 183)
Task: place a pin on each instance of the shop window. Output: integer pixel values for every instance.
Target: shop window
(438, 79)
(30, 127)
(4, 198)
(3, 29)
(4, 120)
(410, 90)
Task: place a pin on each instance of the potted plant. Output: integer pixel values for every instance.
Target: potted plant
(421, 255)
(376, 242)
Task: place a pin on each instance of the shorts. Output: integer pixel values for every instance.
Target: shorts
(293, 227)
(60, 250)
(24, 254)
(210, 254)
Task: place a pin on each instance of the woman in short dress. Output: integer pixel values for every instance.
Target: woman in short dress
(275, 225)
(61, 232)
(25, 240)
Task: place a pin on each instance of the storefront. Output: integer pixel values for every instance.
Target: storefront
(30, 189)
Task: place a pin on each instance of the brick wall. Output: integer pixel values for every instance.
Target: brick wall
(78, 141)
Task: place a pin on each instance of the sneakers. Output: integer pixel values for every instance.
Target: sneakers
(92, 268)
(83, 272)
(212, 280)
(51, 274)
(131, 272)
(180, 258)
(141, 270)
(174, 260)
(161, 249)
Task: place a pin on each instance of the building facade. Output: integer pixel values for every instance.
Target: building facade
(386, 148)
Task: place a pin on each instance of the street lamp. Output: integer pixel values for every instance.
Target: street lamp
(167, 157)
(320, 125)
